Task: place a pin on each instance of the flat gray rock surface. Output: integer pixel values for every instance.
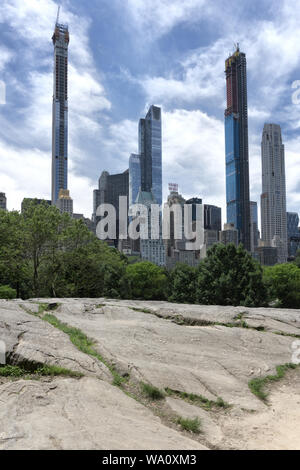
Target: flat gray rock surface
(210, 351)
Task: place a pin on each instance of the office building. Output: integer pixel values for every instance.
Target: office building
(293, 233)
(273, 197)
(110, 188)
(3, 201)
(236, 147)
(150, 150)
(64, 202)
(254, 226)
(212, 218)
(134, 177)
(229, 235)
(60, 40)
(151, 249)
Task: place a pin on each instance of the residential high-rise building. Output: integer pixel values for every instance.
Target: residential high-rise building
(110, 188)
(151, 249)
(273, 197)
(134, 177)
(150, 150)
(212, 218)
(64, 202)
(236, 147)
(2, 201)
(60, 40)
(293, 233)
(229, 235)
(254, 225)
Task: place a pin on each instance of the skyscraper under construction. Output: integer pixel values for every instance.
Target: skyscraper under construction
(60, 40)
(236, 147)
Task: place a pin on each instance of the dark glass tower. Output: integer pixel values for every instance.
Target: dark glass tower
(151, 153)
(60, 40)
(236, 147)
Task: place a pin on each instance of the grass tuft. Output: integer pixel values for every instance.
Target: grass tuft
(38, 371)
(84, 344)
(258, 384)
(152, 392)
(191, 425)
(198, 400)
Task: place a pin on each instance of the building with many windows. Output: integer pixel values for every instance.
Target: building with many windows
(150, 150)
(151, 248)
(110, 188)
(236, 147)
(254, 226)
(293, 233)
(60, 40)
(64, 202)
(273, 197)
(3, 201)
(134, 177)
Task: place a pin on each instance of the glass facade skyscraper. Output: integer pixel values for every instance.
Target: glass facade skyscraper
(60, 40)
(236, 147)
(134, 177)
(150, 150)
(293, 233)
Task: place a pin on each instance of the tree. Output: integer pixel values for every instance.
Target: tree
(146, 281)
(297, 259)
(230, 276)
(283, 281)
(182, 284)
(7, 292)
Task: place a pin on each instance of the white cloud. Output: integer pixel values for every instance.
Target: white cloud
(154, 18)
(26, 148)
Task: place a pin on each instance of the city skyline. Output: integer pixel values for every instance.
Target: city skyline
(189, 132)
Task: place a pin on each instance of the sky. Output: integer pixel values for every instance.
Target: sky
(125, 55)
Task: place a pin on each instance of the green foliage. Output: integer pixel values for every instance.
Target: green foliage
(257, 385)
(146, 281)
(283, 281)
(7, 292)
(191, 425)
(297, 259)
(45, 370)
(44, 253)
(182, 284)
(230, 276)
(198, 400)
(152, 392)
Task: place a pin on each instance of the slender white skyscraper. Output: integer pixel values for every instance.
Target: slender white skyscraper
(273, 198)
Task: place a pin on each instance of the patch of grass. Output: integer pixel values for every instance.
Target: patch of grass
(100, 305)
(45, 370)
(42, 308)
(198, 400)
(282, 333)
(152, 392)
(191, 425)
(84, 344)
(258, 384)
(143, 310)
(56, 370)
(11, 371)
